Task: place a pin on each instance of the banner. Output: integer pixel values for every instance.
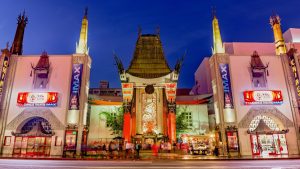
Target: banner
(127, 90)
(295, 74)
(171, 91)
(42, 99)
(263, 97)
(75, 86)
(225, 76)
(3, 74)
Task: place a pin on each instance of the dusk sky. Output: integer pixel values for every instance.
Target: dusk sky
(185, 25)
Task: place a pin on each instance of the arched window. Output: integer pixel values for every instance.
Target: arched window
(46, 126)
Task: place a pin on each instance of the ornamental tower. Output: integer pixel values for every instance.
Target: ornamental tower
(278, 37)
(217, 39)
(81, 46)
(149, 92)
(17, 46)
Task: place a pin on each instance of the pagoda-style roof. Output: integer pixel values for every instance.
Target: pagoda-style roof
(43, 63)
(148, 59)
(256, 62)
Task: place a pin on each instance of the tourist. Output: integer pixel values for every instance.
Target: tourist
(138, 148)
(174, 146)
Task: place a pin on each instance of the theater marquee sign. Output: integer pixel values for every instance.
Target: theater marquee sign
(263, 97)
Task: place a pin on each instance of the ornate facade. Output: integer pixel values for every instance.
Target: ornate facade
(41, 114)
(149, 92)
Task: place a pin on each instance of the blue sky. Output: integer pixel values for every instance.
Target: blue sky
(185, 25)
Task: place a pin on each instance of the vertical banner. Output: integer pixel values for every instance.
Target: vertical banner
(171, 91)
(224, 71)
(3, 74)
(127, 90)
(295, 74)
(75, 86)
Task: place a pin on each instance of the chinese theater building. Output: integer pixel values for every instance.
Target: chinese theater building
(253, 96)
(43, 98)
(149, 92)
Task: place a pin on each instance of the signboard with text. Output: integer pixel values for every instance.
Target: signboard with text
(45, 99)
(3, 74)
(127, 90)
(225, 76)
(294, 73)
(75, 86)
(263, 97)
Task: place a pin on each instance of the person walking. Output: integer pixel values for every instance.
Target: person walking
(127, 149)
(174, 146)
(138, 148)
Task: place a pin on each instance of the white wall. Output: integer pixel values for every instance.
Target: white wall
(199, 117)
(241, 81)
(98, 129)
(59, 81)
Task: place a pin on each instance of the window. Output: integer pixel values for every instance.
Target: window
(259, 71)
(259, 78)
(188, 118)
(7, 140)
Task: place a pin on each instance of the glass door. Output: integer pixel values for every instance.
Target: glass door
(24, 145)
(283, 145)
(17, 145)
(47, 146)
(30, 150)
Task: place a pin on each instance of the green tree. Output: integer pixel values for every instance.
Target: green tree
(181, 123)
(114, 120)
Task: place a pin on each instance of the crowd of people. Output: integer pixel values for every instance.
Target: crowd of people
(119, 149)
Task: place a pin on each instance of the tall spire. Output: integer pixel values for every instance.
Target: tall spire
(81, 46)
(278, 37)
(217, 39)
(17, 46)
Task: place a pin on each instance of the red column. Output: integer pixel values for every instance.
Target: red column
(172, 126)
(127, 127)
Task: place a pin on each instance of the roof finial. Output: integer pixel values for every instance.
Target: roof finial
(7, 45)
(139, 30)
(213, 12)
(157, 31)
(86, 12)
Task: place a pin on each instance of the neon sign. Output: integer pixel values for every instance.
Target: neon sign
(47, 99)
(263, 97)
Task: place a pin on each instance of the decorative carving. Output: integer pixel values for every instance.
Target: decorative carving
(271, 112)
(149, 89)
(29, 113)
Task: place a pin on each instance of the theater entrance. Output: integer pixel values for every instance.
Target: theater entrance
(34, 138)
(32, 146)
(266, 138)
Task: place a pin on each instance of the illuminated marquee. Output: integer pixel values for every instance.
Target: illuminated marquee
(47, 99)
(263, 97)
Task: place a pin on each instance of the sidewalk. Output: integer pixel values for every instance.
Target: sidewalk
(147, 155)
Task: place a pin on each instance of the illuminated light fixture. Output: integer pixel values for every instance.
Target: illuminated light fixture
(46, 99)
(263, 97)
